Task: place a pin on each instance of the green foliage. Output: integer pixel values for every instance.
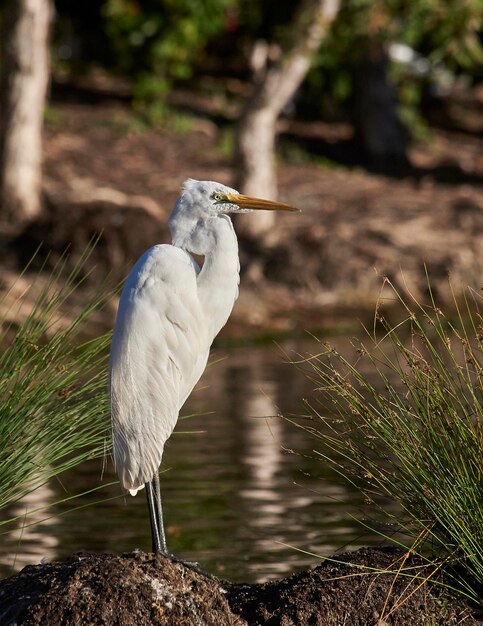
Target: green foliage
(446, 33)
(53, 387)
(409, 109)
(226, 142)
(415, 436)
(160, 41)
(157, 42)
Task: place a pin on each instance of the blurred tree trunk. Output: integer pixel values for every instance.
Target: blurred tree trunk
(379, 130)
(25, 76)
(275, 83)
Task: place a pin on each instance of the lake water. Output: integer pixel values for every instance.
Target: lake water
(244, 492)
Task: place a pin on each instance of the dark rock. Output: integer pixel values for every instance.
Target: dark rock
(102, 589)
(371, 587)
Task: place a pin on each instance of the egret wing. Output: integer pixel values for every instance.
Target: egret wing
(158, 353)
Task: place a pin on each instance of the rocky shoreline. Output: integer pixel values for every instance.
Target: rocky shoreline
(370, 587)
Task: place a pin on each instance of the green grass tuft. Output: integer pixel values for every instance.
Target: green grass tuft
(53, 385)
(410, 428)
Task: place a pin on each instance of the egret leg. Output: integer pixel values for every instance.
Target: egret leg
(159, 513)
(157, 543)
(153, 495)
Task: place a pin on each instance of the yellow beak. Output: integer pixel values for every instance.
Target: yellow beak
(256, 204)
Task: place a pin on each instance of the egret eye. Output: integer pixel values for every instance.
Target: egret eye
(218, 197)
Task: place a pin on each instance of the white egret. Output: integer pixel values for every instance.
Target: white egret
(169, 313)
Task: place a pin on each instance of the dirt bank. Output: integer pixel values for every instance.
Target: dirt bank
(366, 588)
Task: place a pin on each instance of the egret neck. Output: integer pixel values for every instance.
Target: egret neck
(214, 238)
(219, 277)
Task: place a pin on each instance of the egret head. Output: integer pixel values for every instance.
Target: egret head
(203, 200)
(206, 198)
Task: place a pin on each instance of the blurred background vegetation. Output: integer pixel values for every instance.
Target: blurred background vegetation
(327, 82)
(158, 43)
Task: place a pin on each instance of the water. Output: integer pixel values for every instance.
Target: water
(244, 492)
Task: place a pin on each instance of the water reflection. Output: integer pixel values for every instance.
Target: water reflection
(235, 496)
(263, 456)
(31, 539)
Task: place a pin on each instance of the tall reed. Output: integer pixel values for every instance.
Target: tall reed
(414, 434)
(52, 385)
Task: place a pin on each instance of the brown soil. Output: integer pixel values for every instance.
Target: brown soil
(364, 588)
(105, 174)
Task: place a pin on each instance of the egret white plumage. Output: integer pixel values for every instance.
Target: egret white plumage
(169, 313)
